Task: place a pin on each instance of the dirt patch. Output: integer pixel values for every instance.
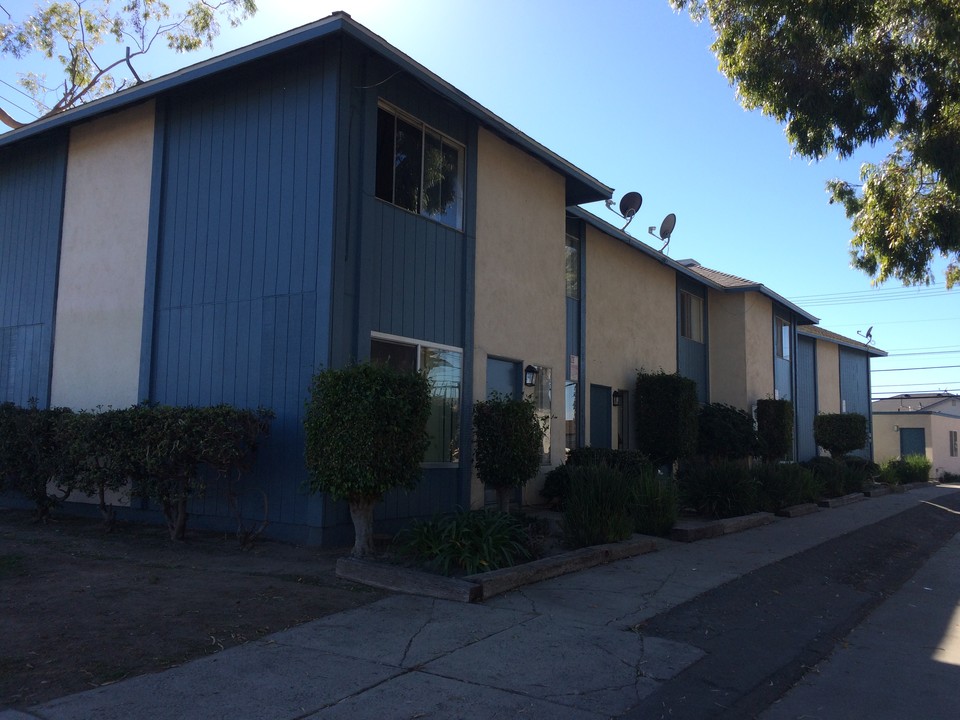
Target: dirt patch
(82, 608)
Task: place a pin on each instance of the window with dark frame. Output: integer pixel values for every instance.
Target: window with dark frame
(443, 368)
(691, 316)
(953, 443)
(419, 169)
(782, 338)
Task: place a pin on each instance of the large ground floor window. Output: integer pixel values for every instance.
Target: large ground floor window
(443, 367)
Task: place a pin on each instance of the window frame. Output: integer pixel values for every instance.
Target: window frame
(952, 441)
(425, 131)
(782, 338)
(420, 345)
(687, 327)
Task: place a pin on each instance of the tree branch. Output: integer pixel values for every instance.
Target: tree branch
(9, 121)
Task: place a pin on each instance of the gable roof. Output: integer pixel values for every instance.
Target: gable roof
(943, 403)
(581, 187)
(823, 333)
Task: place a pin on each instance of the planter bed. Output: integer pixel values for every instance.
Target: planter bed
(842, 500)
(693, 530)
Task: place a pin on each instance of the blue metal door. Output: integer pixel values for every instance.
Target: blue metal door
(601, 414)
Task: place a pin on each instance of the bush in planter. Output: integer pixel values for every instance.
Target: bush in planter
(365, 434)
(909, 469)
(508, 449)
(666, 416)
(467, 542)
(840, 433)
(775, 428)
(655, 503)
(719, 490)
(556, 484)
(781, 485)
(725, 432)
(599, 506)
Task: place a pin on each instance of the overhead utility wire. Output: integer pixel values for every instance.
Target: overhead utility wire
(11, 102)
(931, 367)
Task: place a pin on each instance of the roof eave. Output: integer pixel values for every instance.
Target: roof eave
(581, 187)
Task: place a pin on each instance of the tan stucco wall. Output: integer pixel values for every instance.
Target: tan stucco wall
(828, 377)
(728, 348)
(758, 337)
(631, 317)
(936, 428)
(520, 285)
(96, 358)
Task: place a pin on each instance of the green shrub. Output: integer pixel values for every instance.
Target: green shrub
(467, 542)
(33, 455)
(556, 485)
(655, 503)
(726, 432)
(599, 506)
(775, 428)
(633, 463)
(906, 470)
(365, 434)
(508, 449)
(781, 485)
(861, 473)
(840, 433)
(719, 490)
(666, 416)
(948, 477)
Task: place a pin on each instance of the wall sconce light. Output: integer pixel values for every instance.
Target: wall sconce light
(617, 398)
(530, 375)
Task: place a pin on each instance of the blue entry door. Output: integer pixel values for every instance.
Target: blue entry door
(601, 416)
(503, 378)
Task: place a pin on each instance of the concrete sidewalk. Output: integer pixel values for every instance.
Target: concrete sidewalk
(563, 648)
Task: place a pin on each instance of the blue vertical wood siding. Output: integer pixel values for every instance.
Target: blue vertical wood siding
(242, 300)
(32, 178)
(806, 401)
(855, 388)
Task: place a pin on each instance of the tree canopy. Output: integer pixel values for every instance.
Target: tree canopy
(843, 74)
(95, 41)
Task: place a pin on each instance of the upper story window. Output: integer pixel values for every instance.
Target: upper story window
(443, 368)
(691, 316)
(781, 330)
(572, 270)
(418, 169)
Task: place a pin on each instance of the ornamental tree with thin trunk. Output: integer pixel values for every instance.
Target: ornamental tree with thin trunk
(365, 434)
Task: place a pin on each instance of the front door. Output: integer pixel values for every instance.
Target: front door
(601, 416)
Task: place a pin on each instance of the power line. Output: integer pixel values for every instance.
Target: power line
(914, 354)
(872, 292)
(25, 94)
(11, 102)
(927, 384)
(931, 367)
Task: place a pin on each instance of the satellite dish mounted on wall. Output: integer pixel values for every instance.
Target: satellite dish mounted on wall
(629, 204)
(666, 230)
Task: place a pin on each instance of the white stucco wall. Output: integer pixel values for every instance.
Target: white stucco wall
(100, 291)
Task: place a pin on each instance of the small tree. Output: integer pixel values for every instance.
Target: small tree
(509, 444)
(666, 413)
(840, 433)
(365, 434)
(775, 428)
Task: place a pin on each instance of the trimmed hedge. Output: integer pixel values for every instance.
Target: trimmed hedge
(725, 432)
(840, 433)
(666, 416)
(775, 428)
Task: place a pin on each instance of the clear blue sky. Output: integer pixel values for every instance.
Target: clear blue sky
(629, 91)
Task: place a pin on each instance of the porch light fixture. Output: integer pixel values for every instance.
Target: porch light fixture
(617, 398)
(530, 375)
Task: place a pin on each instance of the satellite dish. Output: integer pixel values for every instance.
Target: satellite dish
(666, 230)
(629, 204)
(667, 226)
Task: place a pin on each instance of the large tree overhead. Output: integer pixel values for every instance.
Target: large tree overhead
(95, 41)
(843, 73)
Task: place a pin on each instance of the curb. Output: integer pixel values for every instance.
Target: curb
(480, 586)
(693, 530)
(842, 500)
(798, 510)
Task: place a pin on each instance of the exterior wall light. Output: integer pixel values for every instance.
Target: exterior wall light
(617, 398)
(530, 375)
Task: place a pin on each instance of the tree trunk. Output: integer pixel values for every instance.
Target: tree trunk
(361, 512)
(503, 498)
